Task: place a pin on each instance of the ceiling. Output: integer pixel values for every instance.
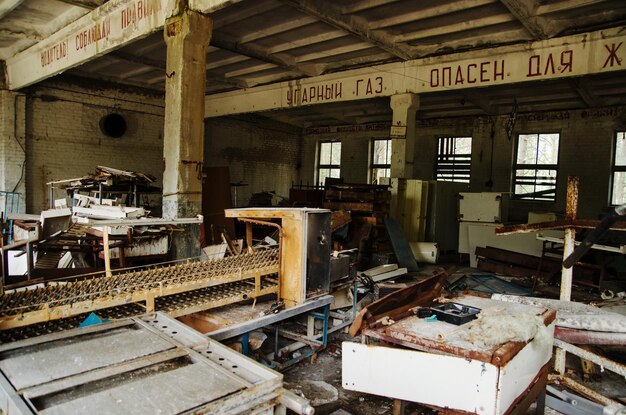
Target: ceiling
(255, 42)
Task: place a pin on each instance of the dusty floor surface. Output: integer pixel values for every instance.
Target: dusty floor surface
(327, 368)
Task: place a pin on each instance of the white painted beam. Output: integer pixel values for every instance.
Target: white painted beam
(332, 15)
(453, 27)
(439, 9)
(7, 6)
(274, 29)
(106, 28)
(364, 5)
(281, 60)
(86, 4)
(570, 56)
(525, 11)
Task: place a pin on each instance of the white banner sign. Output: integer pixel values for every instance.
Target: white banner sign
(589, 53)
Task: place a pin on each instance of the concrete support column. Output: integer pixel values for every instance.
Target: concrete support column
(187, 37)
(404, 107)
(13, 147)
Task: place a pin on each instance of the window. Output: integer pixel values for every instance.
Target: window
(381, 159)
(536, 166)
(454, 159)
(618, 185)
(329, 161)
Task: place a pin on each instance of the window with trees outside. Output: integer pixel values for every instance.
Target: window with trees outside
(329, 162)
(618, 182)
(536, 166)
(381, 159)
(454, 159)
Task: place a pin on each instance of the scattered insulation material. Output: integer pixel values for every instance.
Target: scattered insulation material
(498, 325)
(574, 315)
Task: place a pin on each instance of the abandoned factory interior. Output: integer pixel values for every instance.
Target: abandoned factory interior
(349, 207)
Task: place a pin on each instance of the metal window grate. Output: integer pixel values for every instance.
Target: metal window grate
(454, 159)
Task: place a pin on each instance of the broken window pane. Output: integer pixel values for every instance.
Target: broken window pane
(536, 166)
(381, 159)
(329, 161)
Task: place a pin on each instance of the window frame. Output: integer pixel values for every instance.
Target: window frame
(440, 159)
(331, 166)
(373, 165)
(614, 167)
(516, 167)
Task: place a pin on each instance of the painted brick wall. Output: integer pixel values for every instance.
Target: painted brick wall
(262, 153)
(64, 140)
(355, 154)
(12, 149)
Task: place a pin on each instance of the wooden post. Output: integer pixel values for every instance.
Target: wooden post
(107, 253)
(571, 210)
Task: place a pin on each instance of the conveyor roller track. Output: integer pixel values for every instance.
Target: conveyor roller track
(97, 292)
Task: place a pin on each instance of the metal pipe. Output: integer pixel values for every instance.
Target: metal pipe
(299, 345)
(296, 403)
(583, 390)
(592, 357)
(574, 336)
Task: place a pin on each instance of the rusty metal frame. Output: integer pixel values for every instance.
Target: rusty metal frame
(569, 225)
(55, 302)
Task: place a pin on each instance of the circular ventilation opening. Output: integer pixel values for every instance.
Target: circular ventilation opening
(113, 125)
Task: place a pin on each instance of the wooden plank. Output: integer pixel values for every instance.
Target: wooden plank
(422, 293)
(352, 206)
(401, 247)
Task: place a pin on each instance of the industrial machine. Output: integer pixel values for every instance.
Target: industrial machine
(147, 365)
(136, 362)
(295, 270)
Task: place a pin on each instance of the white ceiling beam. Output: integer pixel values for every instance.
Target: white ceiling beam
(559, 6)
(558, 58)
(525, 11)
(422, 14)
(152, 64)
(221, 62)
(245, 13)
(7, 6)
(306, 41)
(365, 5)
(249, 69)
(85, 4)
(453, 28)
(286, 26)
(281, 60)
(332, 15)
(332, 52)
(96, 33)
(477, 39)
